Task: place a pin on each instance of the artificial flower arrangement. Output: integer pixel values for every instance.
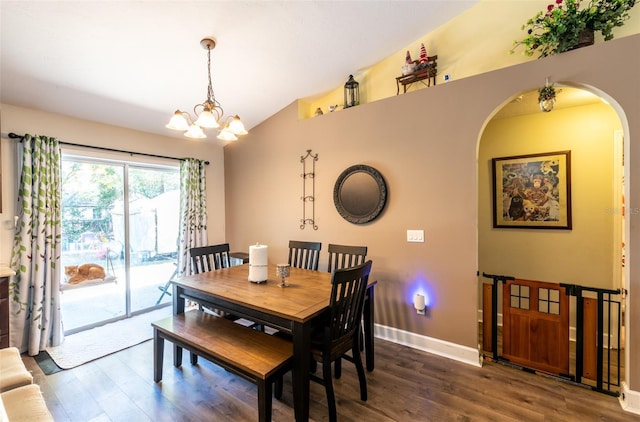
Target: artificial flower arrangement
(559, 28)
(547, 92)
(547, 97)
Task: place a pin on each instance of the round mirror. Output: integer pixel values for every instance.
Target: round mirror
(360, 194)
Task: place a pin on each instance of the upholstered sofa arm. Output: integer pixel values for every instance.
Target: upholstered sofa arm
(20, 399)
(13, 373)
(25, 404)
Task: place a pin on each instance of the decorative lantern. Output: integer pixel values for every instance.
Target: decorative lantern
(351, 93)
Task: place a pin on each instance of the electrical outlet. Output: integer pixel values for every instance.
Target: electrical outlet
(446, 77)
(415, 235)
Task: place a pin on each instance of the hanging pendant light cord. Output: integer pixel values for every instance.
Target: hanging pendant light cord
(211, 98)
(210, 95)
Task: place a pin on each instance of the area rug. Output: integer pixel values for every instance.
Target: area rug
(44, 361)
(93, 344)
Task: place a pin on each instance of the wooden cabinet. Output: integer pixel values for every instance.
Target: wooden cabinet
(4, 312)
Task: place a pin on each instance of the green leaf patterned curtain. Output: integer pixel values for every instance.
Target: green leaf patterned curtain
(35, 294)
(193, 211)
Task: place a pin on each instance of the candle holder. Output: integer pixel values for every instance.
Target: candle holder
(283, 271)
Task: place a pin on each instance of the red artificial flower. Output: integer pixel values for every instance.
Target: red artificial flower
(550, 8)
(559, 1)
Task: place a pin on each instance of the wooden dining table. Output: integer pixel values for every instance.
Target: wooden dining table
(296, 309)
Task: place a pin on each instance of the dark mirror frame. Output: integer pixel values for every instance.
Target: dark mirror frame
(380, 199)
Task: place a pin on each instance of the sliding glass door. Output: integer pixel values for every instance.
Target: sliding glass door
(154, 212)
(119, 247)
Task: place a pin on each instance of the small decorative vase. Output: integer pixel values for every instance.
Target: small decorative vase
(547, 105)
(283, 271)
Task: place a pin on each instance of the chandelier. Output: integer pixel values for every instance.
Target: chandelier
(209, 114)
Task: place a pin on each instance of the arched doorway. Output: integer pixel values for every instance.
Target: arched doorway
(589, 252)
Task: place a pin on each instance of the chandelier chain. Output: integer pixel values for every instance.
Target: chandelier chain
(211, 98)
(210, 90)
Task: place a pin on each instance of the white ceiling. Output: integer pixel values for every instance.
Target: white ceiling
(132, 63)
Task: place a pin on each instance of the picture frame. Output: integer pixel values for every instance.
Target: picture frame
(532, 191)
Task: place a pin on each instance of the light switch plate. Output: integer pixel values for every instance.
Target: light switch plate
(415, 235)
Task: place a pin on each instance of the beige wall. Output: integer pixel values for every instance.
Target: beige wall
(20, 120)
(425, 143)
(587, 132)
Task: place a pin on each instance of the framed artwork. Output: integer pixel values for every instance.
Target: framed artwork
(532, 191)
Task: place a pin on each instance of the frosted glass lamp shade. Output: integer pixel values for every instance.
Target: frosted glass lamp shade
(178, 122)
(195, 132)
(207, 120)
(236, 126)
(227, 135)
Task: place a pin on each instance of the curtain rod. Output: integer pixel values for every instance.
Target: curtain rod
(21, 137)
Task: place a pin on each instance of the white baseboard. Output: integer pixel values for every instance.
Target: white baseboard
(464, 354)
(629, 400)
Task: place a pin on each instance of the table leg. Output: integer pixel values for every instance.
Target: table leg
(178, 308)
(300, 372)
(158, 355)
(368, 329)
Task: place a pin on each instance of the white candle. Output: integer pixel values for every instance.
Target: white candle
(258, 261)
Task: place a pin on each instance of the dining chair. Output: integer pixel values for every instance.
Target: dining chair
(209, 258)
(341, 329)
(304, 255)
(345, 256)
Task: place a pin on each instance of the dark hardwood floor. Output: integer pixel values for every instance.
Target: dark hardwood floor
(407, 385)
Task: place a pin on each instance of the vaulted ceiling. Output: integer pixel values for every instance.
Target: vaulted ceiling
(133, 63)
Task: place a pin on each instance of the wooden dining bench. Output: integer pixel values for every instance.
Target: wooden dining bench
(251, 354)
